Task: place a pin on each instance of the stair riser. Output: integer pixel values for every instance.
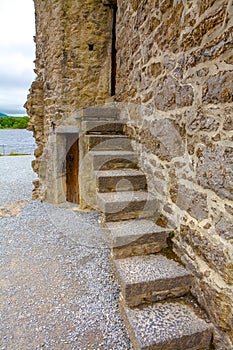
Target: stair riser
(115, 207)
(134, 295)
(103, 127)
(148, 297)
(108, 217)
(139, 247)
(105, 143)
(107, 163)
(116, 211)
(121, 183)
(97, 112)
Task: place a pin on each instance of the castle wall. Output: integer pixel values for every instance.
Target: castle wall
(175, 70)
(73, 67)
(174, 82)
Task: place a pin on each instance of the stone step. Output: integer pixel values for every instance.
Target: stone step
(102, 127)
(120, 180)
(98, 112)
(170, 326)
(126, 205)
(135, 237)
(108, 142)
(106, 160)
(150, 278)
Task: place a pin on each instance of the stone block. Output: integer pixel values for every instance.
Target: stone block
(168, 32)
(224, 228)
(170, 94)
(166, 326)
(120, 180)
(201, 121)
(211, 250)
(92, 126)
(190, 200)
(99, 113)
(126, 205)
(136, 237)
(195, 37)
(108, 142)
(218, 47)
(219, 306)
(106, 160)
(215, 169)
(162, 138)
(218, 88)
(150, 278)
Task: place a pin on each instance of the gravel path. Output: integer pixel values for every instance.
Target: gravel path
(57, 287)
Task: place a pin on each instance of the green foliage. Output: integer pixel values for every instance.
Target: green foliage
(14, 122)
(171, 234)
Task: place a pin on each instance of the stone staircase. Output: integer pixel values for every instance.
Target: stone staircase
(155, 299)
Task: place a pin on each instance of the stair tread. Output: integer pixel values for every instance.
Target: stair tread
(134, 228)
(130, 231)
(142, 269)
(119, 172)
(109, 136)
(99, 112)
(169, 325)
(111, 152)
(103, 126)
(125, 196)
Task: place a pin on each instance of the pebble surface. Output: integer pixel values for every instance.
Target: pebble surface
(57, 289)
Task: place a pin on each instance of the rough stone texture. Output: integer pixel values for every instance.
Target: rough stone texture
(193, 202)
(218, 88)
(215, 169)
(126, 205)
(174, 87)
(212, 250)
(175, 62)
(120, 180)
(183, 329)
(73, 45)
(135, 237)
(108, 142)
(150, 278)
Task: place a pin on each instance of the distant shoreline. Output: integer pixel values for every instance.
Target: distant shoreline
(14, 122)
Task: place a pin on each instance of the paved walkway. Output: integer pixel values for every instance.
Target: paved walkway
(57, 290)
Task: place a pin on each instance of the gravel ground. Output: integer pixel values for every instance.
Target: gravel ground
(57, 287)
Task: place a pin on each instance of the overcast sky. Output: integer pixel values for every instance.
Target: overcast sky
(17, 53)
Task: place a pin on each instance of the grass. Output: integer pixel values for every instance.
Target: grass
(12, 154)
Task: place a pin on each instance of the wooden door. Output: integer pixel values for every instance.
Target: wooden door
(72, 165)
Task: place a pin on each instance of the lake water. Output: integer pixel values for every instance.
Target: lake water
(16, 141)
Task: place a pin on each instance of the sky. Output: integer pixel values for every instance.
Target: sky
(17, 53)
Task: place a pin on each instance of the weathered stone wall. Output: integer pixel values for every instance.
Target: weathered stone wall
(174, 59)
(73, 67)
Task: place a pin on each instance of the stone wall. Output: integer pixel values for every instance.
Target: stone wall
(73, 67)
(174, 82)
(175, 70)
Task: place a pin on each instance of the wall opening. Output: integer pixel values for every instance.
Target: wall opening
(72, 173)
(112, 4)
(91, 47)
(113, 68)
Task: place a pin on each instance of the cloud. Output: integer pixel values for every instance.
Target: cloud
(17, 53)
